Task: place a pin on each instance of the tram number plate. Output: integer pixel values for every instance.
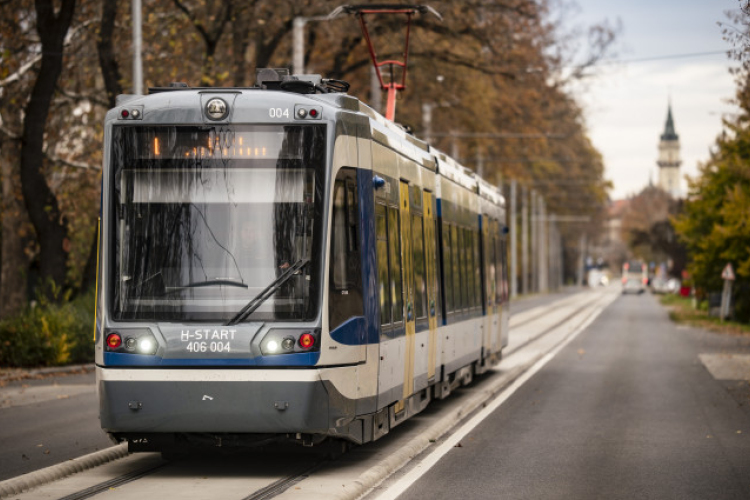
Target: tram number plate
(209, 347)
(217, 342)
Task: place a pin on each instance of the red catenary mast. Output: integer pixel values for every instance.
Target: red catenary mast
(394, 85)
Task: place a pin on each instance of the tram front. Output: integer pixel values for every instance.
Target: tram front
(211, 262)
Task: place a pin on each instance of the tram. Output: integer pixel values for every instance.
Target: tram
(283, 262)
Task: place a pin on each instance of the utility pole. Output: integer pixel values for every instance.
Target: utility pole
(513, 239)
(541, 245)
(525, 240)
(137, 43)
(581, 258)
(376, 94)
(534, 243)
(298, 40)
(480, 163)
(298, 47)
(426, 115)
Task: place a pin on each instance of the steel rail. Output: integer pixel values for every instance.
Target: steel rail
(113, 483)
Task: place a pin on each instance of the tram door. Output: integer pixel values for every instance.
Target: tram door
(430, 270)
(407, 266)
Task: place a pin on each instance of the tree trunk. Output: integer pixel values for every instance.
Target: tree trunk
(111, 75)
(104, 46)
(41, 203)
(14, 264)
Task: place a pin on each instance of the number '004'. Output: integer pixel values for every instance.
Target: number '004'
(278, 112)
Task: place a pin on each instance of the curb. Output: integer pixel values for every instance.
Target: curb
(21, 373)
(53, 473)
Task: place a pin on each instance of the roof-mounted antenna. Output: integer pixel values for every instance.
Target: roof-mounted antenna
(408, 10)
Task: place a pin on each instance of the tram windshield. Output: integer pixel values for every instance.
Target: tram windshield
(205, 218)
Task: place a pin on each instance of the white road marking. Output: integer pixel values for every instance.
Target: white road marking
(395, 490)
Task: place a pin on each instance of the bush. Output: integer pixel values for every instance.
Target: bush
(49, 334)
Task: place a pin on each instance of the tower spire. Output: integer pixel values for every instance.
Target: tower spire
(669, 157)
(669, 133)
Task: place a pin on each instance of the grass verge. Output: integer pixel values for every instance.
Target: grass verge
(681, 311)
(49, 334)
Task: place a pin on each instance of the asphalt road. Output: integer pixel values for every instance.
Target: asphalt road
(47, 421)
(52, 419)
(626, 410)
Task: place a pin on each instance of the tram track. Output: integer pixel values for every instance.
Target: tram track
(272, 489)
(547, 309)
(295, 480)
(278, 487)
(113, 483)
(510, 350)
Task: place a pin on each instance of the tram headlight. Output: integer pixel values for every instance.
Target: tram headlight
(272, 346)
(146, 345)
(290, 341)
(131, 341)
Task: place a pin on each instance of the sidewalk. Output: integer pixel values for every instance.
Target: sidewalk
(17, 374)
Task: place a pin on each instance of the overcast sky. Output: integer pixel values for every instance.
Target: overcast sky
(626, 103)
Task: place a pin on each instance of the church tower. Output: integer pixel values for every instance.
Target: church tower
(669, 158)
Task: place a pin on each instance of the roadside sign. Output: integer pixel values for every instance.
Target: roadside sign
(728, 272)
(726, 294)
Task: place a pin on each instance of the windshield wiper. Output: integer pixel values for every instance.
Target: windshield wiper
(211, 282)
(254, 304)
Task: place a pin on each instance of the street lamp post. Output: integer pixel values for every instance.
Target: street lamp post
(513, 242)
(298, 41)
(137, 37)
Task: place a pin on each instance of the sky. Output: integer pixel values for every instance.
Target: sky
(625, 104)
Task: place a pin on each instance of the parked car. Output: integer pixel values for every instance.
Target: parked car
(659, 286)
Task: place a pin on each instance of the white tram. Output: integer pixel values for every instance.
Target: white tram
(283, 261)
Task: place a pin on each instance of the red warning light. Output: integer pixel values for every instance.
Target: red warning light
(124, 113)
(114, 340)
(306, 341)
(313, 113)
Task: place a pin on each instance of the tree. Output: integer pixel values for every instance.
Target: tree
(500, 65)
(41, 203)
(716, 223)
(649, 231)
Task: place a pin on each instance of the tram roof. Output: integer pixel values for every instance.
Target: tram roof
(391, 134)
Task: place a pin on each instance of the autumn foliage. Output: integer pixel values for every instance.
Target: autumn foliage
(494, 69)
(716, 222)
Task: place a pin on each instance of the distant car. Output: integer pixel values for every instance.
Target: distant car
(659, 285)
(633, 285)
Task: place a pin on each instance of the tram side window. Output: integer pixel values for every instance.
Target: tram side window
(469, 268)
(503, 288)
(417, 231)
(345, 296)
(498, 271)
(477, 271)
(381, 230)
(438, 281)
(491, 272)
(459, 293)
(394, 252)
(448, 268)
